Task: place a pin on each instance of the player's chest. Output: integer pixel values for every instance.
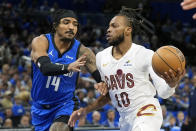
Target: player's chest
(109, 67)
(65, 58)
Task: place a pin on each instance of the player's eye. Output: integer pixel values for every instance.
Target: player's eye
(65, 22)
(114, 25)
(75, 24)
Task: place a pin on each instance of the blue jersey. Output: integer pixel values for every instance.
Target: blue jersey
(55, 89)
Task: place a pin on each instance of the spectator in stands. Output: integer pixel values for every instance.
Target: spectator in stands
(5, 68)
(6, 102)
(8, 123)
(192, 107)
(96, 116)
(9, 114)
(25, 97)
(166, 115)
(25, 122)
(172, 123)
(180, 119)
(3, 88)
(83, 122)
(90, 97)
(110, 119)
(18, 109)
(185, 126)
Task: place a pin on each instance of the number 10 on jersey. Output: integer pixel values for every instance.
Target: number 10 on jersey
(55, 82)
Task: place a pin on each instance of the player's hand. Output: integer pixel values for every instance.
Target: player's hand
(189, 4)
(101, 87)
(171, 79)
(75, 66)
(76, 115)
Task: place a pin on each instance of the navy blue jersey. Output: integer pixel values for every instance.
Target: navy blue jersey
(60, 88)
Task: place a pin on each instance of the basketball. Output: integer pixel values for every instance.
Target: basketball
(168, 57)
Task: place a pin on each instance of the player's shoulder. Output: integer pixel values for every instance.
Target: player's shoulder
(143, 50)
(40, 39)
(104, 52)
(40, 42)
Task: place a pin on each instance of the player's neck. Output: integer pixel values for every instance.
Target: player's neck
(60, 44)
(121, 49)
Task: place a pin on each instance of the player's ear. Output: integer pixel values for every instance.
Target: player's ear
(54, 25)
(128, 30)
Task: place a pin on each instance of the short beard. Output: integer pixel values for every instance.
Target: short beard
(117, 40)
(67, 40)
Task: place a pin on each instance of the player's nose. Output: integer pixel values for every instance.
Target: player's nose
(71, 26)
(108, 30)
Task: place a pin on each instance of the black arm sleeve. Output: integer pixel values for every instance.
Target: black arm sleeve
(96, 75)
(50, 69)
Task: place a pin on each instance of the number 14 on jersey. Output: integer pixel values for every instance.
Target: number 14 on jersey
(55, 82)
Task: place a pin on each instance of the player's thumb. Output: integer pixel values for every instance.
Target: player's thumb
(96, 86)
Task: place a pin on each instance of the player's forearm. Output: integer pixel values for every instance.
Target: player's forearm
(51, 69)
(163, 89)
(100, 102)
(90, 62)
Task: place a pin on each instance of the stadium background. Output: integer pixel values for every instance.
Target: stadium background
(165, 23)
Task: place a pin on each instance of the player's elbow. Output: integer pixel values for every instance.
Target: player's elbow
(45, 71)
(165, 94)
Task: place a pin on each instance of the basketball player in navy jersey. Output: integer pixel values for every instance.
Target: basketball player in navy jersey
(57, 58)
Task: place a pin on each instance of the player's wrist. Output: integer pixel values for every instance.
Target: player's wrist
(66, 67)
(173, 85)
(84, 111)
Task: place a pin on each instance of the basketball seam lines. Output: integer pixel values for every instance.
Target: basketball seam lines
(175, 55)
(166, 63)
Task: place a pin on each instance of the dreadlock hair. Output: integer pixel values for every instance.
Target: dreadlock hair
(132, 16)
(134, 19)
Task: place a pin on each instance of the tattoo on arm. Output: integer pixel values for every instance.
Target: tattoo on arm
(91, 59)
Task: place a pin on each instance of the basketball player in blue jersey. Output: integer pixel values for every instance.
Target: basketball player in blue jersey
(57, 58)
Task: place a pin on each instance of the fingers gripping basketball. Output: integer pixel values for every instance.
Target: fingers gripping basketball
(168, 57)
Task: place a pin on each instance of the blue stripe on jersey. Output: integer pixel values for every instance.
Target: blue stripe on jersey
(55, 89)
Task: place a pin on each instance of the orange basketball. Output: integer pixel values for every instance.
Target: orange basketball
(168, 57)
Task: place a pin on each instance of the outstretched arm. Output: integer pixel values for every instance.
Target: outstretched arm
(76, 115)
(91, 67)
(40, 56)
(90, 62)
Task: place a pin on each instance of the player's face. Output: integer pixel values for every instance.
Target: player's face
(115, 32)
(67, 28)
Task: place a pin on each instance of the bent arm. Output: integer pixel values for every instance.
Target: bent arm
(90, 62)
(78, 114)
(100, 102)
(40, 57)
(163, 89)
(39, 47)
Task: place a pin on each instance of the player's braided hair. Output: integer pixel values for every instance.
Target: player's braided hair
(132, 16)
(135, 20)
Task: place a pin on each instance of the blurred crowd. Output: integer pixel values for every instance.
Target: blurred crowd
(21, 21)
